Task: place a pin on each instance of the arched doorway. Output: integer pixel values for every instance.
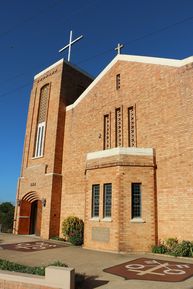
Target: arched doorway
(30, 215)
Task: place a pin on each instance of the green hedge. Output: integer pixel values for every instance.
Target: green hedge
(172, 246)
(14, 267)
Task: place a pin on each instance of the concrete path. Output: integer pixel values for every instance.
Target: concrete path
(91, 263)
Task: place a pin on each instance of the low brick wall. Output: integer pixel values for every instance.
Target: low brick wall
(55, 277)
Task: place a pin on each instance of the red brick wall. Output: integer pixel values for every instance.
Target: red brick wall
(43, 174)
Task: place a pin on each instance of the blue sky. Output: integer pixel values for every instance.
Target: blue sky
(32, 32)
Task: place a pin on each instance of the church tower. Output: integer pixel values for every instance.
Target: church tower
(39, 186)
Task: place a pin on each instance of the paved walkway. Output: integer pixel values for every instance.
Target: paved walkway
(91, 263)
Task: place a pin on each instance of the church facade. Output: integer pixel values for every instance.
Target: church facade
(116, 151)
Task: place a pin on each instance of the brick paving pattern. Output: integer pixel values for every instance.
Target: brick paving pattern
(153, 269)
(32, 246)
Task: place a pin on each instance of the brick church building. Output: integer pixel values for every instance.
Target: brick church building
(116, 151)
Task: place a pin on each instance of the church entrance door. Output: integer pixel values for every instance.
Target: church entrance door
(35, 218)
(30, 215)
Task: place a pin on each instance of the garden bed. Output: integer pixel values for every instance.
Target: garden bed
(174, 247)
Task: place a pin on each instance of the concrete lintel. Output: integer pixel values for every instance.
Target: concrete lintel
(120, 151)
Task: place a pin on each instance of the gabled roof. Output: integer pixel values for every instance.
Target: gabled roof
(132, 58)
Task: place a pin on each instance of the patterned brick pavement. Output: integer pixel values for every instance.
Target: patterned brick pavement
(153, 269)
(32, 246)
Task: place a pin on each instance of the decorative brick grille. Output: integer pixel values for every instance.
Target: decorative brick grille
(131, 127)
(118, 81)
(118, 127)
(107, 132)
(43, 106)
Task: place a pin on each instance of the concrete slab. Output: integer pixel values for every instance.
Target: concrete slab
(91, 263)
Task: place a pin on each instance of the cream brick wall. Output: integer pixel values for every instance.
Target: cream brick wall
(163, 98)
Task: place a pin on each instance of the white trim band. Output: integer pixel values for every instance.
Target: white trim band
(132, 58)
(59, 62)
(120, 151)
(48, 68)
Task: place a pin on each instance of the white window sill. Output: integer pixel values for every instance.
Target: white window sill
(106, 220)
(96, 219)
(137, 220)
(34, 158)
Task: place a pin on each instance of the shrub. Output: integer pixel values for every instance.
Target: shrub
(173, 247)
(160, 249)
(73, 230)
(11, 266)
(6, 216)
(76, 238)
(184, 249)
(171, 244)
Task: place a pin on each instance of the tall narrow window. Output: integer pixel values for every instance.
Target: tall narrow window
(135, 200)
(131, 127)
(41, 124)
(118, 127)
(95, 200)
(40, 139)
(118, 81)
(107, 201)
(107, 132)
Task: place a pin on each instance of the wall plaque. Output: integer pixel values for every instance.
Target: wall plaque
(100, 234)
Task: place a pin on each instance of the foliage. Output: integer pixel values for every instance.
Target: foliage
(58, 264)
(11, 266)
(173, 247)
(39, 270)
(73, 230)
(57, 238)
(6, 216)
(184, 249)
(171, 244)
(14, 267)
(76, 238)
(160, 249)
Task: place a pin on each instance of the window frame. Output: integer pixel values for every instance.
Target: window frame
(136, 207)
(40, 137)
(93, 204)
(105, 215)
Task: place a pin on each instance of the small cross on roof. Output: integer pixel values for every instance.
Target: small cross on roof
(119, 47)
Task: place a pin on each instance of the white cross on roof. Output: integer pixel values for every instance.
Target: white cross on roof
(70, 44)
(118, 48)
